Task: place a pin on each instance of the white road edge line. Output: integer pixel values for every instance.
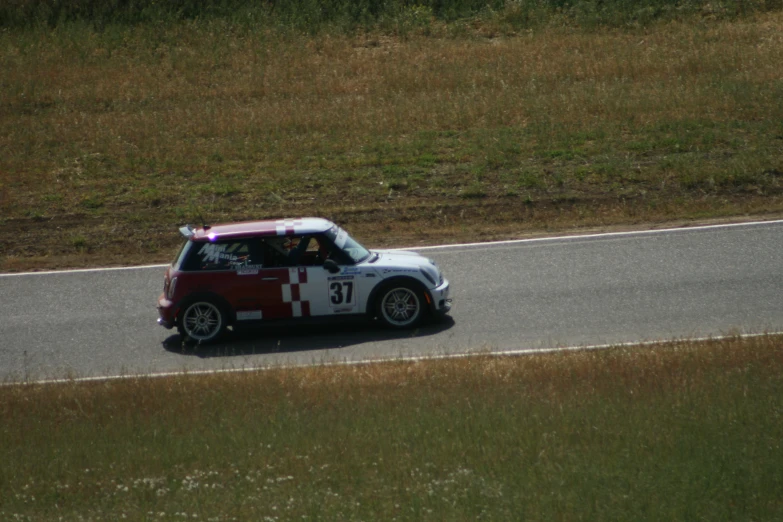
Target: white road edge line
(459, 245)
(417, 358)
(604, 234)
(81, 270)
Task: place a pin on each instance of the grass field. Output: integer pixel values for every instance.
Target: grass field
(456, 130)
(689, 431)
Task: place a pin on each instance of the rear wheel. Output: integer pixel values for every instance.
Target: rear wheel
(202, 321)
(401, 305)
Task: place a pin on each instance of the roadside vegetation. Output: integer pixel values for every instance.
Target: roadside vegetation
(433, 121)
(686, 431)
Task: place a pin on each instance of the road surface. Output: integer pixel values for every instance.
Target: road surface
(509, 296)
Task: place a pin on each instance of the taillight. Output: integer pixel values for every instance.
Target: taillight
(171, 289)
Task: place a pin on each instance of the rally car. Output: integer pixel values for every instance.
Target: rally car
(265, 271)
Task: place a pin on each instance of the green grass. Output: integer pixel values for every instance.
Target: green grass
(126, 130)
(689, 431)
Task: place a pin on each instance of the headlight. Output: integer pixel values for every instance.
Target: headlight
(432, 278)
(438, 273)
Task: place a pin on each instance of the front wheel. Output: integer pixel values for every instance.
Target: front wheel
(202, 322)
(401, 306)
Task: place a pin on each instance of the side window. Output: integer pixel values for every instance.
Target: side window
(311, 252)
(224, 255)
(277, 252)
(296, 251)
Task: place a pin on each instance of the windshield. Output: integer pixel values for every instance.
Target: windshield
(347, 244)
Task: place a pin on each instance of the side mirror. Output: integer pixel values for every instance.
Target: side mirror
(331, 266)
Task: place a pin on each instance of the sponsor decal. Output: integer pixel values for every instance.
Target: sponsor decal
(212, 253)
(399, 270)
(342, 293)
(351, 270)
(343, 310)
(249, 315)
(248, 269)
(341, 278)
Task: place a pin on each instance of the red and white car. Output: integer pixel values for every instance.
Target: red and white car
(289, 269)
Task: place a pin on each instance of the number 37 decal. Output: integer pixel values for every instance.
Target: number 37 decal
(341, 292)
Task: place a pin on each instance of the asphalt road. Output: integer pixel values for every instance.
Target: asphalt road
(524, 295)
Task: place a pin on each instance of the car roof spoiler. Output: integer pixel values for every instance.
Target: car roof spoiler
(188, 231)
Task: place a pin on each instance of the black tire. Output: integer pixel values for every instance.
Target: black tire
(202, 321)
(401, 305)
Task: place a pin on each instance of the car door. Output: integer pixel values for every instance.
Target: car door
(277, 292)
(298, 266)
(321, 292)
(298, 285)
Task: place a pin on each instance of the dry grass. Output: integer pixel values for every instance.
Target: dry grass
(110, 139)
(680, 432)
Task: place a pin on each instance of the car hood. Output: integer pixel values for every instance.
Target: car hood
(400, 259)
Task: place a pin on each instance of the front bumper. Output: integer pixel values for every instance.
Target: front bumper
(441, 298)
